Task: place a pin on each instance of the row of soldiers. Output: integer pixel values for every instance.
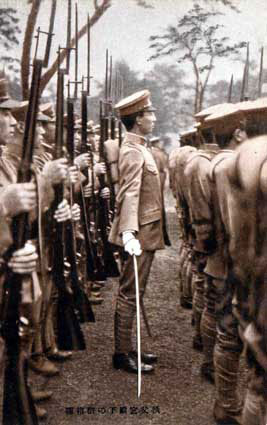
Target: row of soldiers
(44, 337)
(39, 303)
(218, 178)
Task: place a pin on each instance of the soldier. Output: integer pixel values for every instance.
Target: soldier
(161, 160)
(96, 169)
(185, 274)
(210, 249)
(241, 189)
(137, 224)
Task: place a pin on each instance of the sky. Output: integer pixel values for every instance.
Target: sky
(125, 29)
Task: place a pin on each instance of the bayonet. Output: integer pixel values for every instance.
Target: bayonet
(230, 89)
(260, 73)
(76, 51)
(244, 87)
(68, 46)
(50, 33)
(88, 54)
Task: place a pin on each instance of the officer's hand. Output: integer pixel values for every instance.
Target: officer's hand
(87, 191)
(100, 168)
(76, 212)
(82, 161)
(56, 170)
(73, 174)
(19, 197)
(105, 193)
(24, 260)
(133, 247)
(63, 212)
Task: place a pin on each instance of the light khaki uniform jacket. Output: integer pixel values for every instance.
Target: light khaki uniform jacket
(139, 199)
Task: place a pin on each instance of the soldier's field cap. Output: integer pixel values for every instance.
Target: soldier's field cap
(19, 112)
(5, 101)
(226, 110)
(48, 109)
(214, 109)
(137, 102)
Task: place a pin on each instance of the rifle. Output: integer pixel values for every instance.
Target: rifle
(18, 406)
(244, 87)
(80, 299)
(105, 212)
(229, 98)
(260, 73)
(70, 336)
(95, 267)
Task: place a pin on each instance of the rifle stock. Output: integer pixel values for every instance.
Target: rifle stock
(18, 406)
(105, 210)
(70, 336)
(81, 301)
(95, 268)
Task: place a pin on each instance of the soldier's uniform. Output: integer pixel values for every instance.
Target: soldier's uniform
(242, 199)
(195, 192)
(184, 219)
(161, 160)
(218, 323)
(139, 210)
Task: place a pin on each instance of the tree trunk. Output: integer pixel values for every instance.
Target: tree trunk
(26, 51)
(201, 98)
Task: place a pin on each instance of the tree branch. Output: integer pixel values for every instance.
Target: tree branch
(26, 50)
(95, 17)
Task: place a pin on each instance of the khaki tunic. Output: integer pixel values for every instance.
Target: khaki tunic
(139, 199)
(242, 193)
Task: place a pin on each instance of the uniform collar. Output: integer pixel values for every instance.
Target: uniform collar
(136, 138)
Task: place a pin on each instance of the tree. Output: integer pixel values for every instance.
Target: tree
(195, 40)
(8, 36)
(100, 7)
(166, 84)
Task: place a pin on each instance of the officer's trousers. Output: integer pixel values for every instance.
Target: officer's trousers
(126, 299)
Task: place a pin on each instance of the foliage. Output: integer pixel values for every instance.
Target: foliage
(8, 37)
(195, 39)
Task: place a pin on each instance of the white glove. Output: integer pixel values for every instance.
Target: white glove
(131, 244)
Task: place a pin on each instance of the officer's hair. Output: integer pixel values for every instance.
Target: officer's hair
(257, 128)
(129, 120)
(223, 140)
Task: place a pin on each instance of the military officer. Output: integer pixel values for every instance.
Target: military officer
(137, 225)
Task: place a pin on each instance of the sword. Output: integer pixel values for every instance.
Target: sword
(138, 327)
(148, 329)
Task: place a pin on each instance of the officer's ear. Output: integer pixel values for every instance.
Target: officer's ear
(138, 120)
(20, 127)
(238, 135)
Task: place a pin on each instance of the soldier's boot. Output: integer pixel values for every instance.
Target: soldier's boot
(182, 257)
(96, 292)
(255, 409)
(186, 275)
(197, 338)
(208, 334)
(42, 366)
(40, 395)
(228, 406)
(123, 357)
(49, 337)
(40, 412)
(188, 289)
(198, 306)
(181, 269)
